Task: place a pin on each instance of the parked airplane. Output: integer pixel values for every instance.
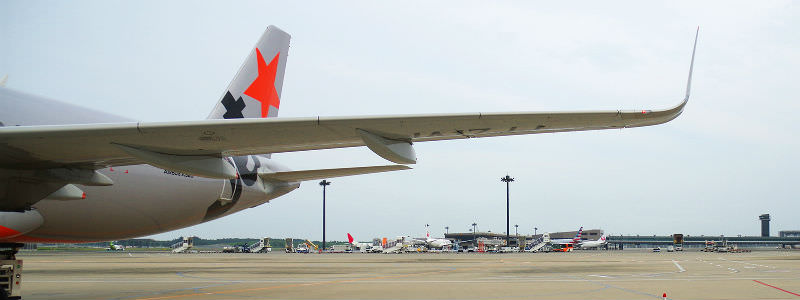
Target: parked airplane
(358, 245)
(64, 169)
(436, 243)
(572, 241)
(594, 244)
(114, 247)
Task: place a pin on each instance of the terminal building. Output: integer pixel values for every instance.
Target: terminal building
(700, 241)
(469, 239)
(786, 239)
(789, 233)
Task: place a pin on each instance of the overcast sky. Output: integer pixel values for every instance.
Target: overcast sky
(731, 156)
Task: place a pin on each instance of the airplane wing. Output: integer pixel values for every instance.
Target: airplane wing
(102, 145)
(200, 147)
(98, 145)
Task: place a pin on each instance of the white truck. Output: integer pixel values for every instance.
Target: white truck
(341, 248)
(302, 248)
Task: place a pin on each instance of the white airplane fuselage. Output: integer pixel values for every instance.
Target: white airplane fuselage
(594, 244)
(145, 200)
(438, 243)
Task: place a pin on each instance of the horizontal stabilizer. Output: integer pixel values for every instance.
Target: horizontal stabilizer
(296, 176)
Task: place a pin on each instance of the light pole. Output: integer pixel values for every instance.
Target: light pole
(534, 230)
(508, 180)
(474, 234)
(447, 230)
(516, 229)
(324, 183)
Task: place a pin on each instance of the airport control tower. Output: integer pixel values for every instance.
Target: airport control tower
(764, 224)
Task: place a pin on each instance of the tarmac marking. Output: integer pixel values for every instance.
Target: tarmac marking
(746, 263)
(732, 270)
(195, 288)
(679, 266)
(606, 285)
(777, 288)
(298, 285)
(310, 282)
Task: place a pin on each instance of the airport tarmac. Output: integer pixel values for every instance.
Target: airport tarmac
(629, 274)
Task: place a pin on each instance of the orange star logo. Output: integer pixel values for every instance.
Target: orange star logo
(263, 88)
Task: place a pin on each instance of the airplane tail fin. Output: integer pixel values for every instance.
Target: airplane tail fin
(577, 237)
(255, 91)
(350, 238)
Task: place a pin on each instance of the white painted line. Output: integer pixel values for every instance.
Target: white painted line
(679, 266)
(638, 279)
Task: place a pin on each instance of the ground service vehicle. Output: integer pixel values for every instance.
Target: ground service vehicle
(562, 247)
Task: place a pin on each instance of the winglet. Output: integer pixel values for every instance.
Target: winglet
(691, 66)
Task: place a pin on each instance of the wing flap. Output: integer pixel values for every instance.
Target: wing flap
(306, 175)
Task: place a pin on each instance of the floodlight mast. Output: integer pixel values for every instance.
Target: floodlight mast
(508, 180)
(324, 183)
(475, 234)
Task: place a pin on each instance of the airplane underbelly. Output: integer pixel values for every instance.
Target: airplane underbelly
(144, 200)
(13, 224)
